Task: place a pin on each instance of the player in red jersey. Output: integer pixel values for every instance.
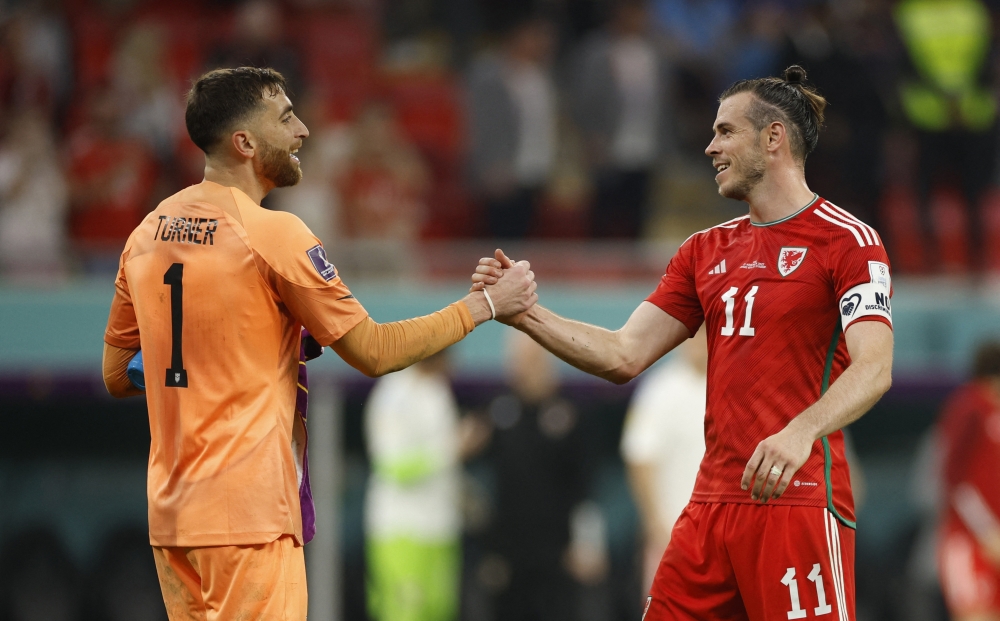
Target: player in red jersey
(795, 296)
(969, 543)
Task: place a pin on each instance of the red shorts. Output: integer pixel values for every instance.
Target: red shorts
(748, 562)
(971, 584)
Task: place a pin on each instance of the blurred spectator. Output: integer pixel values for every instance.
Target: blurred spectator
(954, 113)
(33, 201)
(620, 89)
(663, 444)
(39, 580)
(512, 117)
(541, 477)
(757, 45)
(923, 599)
(969, 537)
(125, 582)
(384, 187)
(150, 105)
(259, 41)
(696, 30)
(35, 63)
(412, 513)
(846, 51)
(111, 179)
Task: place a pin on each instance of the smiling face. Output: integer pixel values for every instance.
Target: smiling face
(280, 134)
(737, 150)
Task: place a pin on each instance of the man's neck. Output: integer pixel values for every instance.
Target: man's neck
(241, 177)
(779, 195)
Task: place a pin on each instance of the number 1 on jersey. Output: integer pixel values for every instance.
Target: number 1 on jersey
(729, 297)
(176, 375)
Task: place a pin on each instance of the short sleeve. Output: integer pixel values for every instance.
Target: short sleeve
(676, 294)
(862, 277)
(123, 328)
(294, 262)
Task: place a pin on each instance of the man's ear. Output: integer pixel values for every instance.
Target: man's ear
(244, 143)
(776, 136)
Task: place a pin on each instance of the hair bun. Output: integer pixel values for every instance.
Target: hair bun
(795, 75)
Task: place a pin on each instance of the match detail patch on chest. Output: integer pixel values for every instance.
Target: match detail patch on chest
(317, 255)
(790, 258)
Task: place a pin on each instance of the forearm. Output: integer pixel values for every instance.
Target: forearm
(855, 392)
(590, 348)
(115, 370)
(376, 349)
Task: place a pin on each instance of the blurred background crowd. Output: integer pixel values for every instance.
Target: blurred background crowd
(573, 130)
(444, 119)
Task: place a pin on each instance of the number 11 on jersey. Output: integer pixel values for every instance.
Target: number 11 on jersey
(729, 297)
(797, 611)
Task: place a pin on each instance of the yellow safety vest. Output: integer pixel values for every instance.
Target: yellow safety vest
(948, 41)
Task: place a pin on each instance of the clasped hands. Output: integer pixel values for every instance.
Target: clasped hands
(511, 285)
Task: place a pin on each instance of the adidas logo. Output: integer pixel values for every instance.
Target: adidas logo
(719, 269)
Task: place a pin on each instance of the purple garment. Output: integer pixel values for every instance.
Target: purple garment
(308, 350)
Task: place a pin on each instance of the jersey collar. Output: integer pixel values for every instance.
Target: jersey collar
(773, 222)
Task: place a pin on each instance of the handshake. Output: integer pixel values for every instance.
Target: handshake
(509, 286)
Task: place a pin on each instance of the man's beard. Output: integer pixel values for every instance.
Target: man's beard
(278, 167)
(749, 174)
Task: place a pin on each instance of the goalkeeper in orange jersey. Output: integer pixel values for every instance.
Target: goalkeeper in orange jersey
(215, 290)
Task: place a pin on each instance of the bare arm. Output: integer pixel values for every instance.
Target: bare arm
(615, 355)
(860, 386)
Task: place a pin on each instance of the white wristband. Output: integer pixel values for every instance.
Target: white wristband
(489, 300)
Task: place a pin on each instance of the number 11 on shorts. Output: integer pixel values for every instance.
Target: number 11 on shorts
(797, 612)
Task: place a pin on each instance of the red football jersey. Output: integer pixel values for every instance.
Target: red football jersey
(970, 435)
(776, 298)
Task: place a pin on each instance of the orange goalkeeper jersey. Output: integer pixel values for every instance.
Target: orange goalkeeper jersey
(214, 289)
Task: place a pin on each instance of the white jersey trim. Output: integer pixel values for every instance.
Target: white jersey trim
(832, 528)
(844, 225)
(842, 218)
(853, 218)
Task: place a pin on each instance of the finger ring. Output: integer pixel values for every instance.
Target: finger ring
(776, 471)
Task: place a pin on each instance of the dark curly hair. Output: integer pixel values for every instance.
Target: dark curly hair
(789, 101)
(223, 98)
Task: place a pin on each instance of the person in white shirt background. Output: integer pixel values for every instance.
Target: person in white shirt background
(413, 524)
(663, 443)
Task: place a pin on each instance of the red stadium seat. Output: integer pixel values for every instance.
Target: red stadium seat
(94, 41)
(950, 216)
(428, 108)
(339, 52)
(903, 232)
(989, 210)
